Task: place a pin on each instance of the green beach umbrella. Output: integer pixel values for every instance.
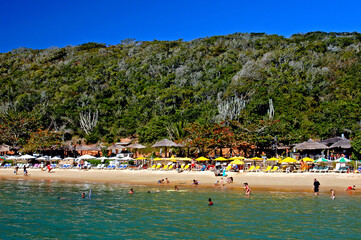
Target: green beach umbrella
(322, 160)
(343, 160)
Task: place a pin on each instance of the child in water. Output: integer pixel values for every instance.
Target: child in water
(333, 196)
(210, 203)
(248, 190)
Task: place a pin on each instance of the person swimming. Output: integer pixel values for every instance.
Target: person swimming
(83, 195)
(210, 203)
(131, 191)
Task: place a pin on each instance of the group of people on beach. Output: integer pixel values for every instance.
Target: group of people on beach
(316, 189)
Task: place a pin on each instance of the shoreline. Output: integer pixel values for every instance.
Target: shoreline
(285, 182)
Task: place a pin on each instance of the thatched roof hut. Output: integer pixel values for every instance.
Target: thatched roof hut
(165, 143)
(310, 145)
(135, 145)
(4, 148)
(344, 144)
(330, 141)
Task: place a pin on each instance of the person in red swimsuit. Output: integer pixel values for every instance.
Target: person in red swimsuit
(210, 203)
(248, 189)
(351, 188)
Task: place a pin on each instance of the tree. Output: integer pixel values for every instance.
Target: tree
(43, 140)
(15, 127)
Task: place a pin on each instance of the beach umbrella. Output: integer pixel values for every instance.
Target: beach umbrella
(102, 158)
(86, 156)
(69, 158)
(55, 159)
(185, 159)
(273, 159)
(221, 159)
(310, 145)
(115, 158)
(307, 159)
(11, 158)
(343, 160)
(126, 159)
(42, 158)
(235, 158)
(322, 160)
(202, 159)
(256, 158)
(237, 162)
(288, 160)
(141, 158)
(158, 159)
(27, 157)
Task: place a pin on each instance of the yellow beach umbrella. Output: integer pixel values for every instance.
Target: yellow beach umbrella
(256, 158)
(273, 159)
(237, 162)
(221, 159)
(202, 159)
(186, 159)
(235, 158)
(307, 159)
(158, 159)
(288, 160)
(140, 158)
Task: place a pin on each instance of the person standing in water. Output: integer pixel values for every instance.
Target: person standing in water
(82, 195)
(248, 189)
(210, 203)
(333, 195)
(316, 186)
(131, 191)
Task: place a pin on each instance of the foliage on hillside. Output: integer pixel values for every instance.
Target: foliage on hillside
(309, 84)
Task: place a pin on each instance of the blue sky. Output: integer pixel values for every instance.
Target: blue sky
(42, 24)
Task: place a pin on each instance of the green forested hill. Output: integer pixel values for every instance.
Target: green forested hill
(312, 82)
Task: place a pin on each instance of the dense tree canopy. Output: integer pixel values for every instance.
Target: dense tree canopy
(102, 93)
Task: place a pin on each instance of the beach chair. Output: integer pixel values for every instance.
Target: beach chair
(268, 169)
(182, 166)
(158, 166)
(186, 167)
(204, 167)
(229, 167)
(165, 167)
(314, 169)
(99, 166)
(275, 168)
(152, 167)
(325, 169)
(250, 169)
(256, 169)
(170, 167)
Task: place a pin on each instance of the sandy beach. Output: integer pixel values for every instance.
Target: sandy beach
(258, 181)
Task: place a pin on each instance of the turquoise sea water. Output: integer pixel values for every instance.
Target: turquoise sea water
(32, 210)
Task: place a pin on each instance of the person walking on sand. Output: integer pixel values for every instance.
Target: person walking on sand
(316, 186)
(248, 189)
(16, 170)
